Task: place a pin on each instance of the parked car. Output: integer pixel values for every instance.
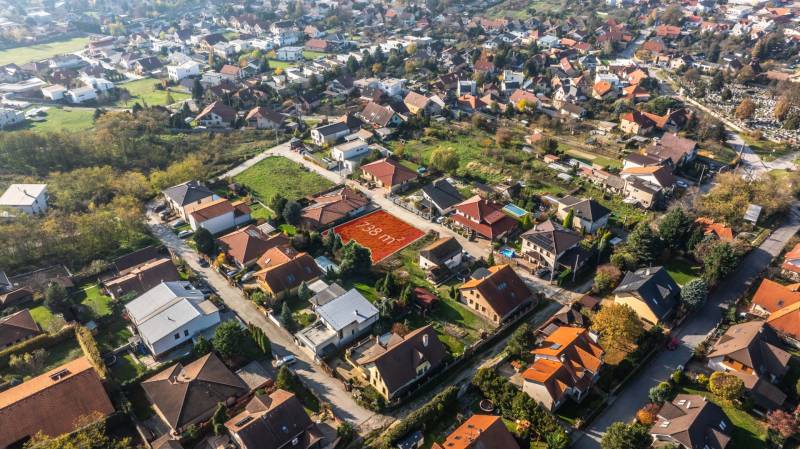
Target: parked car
(160, 207)
(287, 360)
(185, 233)
(202, 262)
(178, 223)
(682, 184)
(542, 273)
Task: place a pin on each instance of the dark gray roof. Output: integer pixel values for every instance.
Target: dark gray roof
(441, 250)
(188, 192)
(442, 194)
(755, 345)
(552, 237)
(590, 209)
(654, 286)
(333, 128)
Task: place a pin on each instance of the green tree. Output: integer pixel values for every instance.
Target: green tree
(725, 386)
(490, 259)
(606, 278)
(356, 260)
(557, 440)
(219, 418)
(567, 222)
(673, 228)
(720, 261)
(444, 159)
(91, 435)
(291, 212)
(56, 298)
(205, 242)
(618, 326)
(526, 222)
(694, 293)
(660, 393)
(303, 292)
(644, 244)
(232, 341)
(277, 203)
(286, 317)
(521, 341)
(202, 347)
(626, 436)
(260, 338)
(197, 90)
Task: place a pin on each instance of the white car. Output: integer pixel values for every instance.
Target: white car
(185, 233)
(287, 360)
(178, 223)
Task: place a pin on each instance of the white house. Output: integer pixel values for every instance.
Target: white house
(55, 92)
(328, 134)
(443, 253)
(392, 86)
(98, 84)
(82, 94)
(184, 70)
(349, 150)
(289, 54)
(343, 317)
(10, 117)
(170, 314)
(190, 193)
(27, 198)
(217, 216)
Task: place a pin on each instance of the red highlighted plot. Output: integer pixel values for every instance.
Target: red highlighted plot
(381, 232)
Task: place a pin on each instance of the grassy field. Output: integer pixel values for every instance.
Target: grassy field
(21, 55)
(682, 271)
(144, 91)
(275, 64)
(61, 119)
(310, 54)
(591, 158)
(280, 175)
(748, 432)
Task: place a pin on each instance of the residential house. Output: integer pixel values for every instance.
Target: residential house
(17, 327)
(55, 92)
(187, 194)
(289, 54)
(419, 104)
(170, 314)
(484, 217)
(496, 293)
(712, 228)
(52, 403)
(342, 319)
(692, 422)
(786, 322)
(635, 123)
(147, 66)
(772, 296)
(550, 246)
(350, 153)
(282, 278)
(790, 267)
(181, 71)
(231, 73)
(276, 421)
(650, 292)
(264, 118)
(442, 196)
(30, 199)
(752, 353)
(672, 149)
(216, 115)
(329, 134)
(141, 278)
(393, 363)
(218, 216)
(604, 90)
(183, 396)
(380, 116)
(656, 175)
(246, 245)
(588, 215)
(331, 208)
(479, 432)
(641, 192)
(81, 94)
(444, 253)
(566, 365)
(388, 174)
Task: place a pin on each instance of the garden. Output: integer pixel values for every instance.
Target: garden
(145, 92)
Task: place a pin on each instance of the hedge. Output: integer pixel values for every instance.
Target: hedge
(37, 342)
(91, 350)
(426, 415)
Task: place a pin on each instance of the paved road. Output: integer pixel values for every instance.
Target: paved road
(634, 395)
(330, 389)
(630, 50)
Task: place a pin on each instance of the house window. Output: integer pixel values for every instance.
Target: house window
(185, 333)
(177, 336)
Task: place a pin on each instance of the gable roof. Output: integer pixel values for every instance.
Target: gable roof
(772, 296)
(188, 192)
(662, 174)
(484, 216)
(398, 359)
(417, 100)
(332, 128)
(754, 345)
(52, 402)
(786, 321)
(265, 113)
(273, 421)
(441, 250)
(211, 209)
(502, 289)
(225, 112)
(249, 243)
(480, 432)
(694, 422)
(333, 206)
(290, 274)
(377, 114)
(185, 393)
(552, 237)
(709, 226)
(654, 286)
(21, 194)
(350, 307)
(389, 172)
(671, 147)
(166, 307)
(17, 326)
(442, 193)
(586, 208)
(143, 277)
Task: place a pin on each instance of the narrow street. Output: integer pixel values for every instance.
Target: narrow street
(633, 396)
(325, 386)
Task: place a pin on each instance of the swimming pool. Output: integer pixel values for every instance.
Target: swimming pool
(508, 252)
(515, 210)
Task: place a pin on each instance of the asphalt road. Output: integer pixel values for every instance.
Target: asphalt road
(634, 395)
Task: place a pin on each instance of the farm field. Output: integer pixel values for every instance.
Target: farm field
(144, 91)
(21, 55)
(280, 175)
(380, 232)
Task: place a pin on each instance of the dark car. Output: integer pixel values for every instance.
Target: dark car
(202, 262)
(542, 273)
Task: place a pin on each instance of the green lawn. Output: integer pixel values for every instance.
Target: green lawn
(56, 356)
(288, 229)
(126, 368)
(748, 432)
(368, 291)
(275, 64)
(681, 270)
(42, 315)
(63, 119)
(591, 158)
(21, 55)
(310, 54)
(144, 91)
(113, 335)
(98, 303)
(259, 212)
(280, 175)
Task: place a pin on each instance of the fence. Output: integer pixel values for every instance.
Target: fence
(398, 201)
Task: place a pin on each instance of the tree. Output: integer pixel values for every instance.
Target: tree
(725, 386)
(291, 212)
(618, 325)
(205, 242)
(219, 418)
(202, 347)
(745, 74)
(644, 244)
(521, 340)
(197, 90)
(660, 393)
(557, 440)
(782, 108)
(626, 436)
(232, 341)
(567, 222)
(444, 159)
(746, 109)
(720, 261)
(606, 278)
(56, 298)
(91, 435)
(356, 260)
(277, 203)
(28, 362)
(648, 414)
(303, 292)
(503, 137)
(672, 15)
(286, 316)
(783, 423)
(168, 99)
(694, 293)
(673, 227)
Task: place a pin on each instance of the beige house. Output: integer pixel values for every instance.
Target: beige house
(650, 292)
(496, 293)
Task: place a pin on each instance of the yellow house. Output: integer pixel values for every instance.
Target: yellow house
(650, 292)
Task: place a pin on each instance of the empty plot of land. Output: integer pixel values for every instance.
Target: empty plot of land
(21, 55)
(380, 232)
(278, 175)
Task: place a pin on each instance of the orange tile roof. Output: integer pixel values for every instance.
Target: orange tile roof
(786, 321)
(711, 227)
(772, 296)
(480, 432)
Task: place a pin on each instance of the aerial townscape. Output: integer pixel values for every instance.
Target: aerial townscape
(399, 224)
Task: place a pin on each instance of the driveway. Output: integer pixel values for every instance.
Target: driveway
(329, 389)
(634, 395)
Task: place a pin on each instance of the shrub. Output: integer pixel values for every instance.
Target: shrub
(660, 393)
(677, 376)
(91, 350)
(647, 415)
(725, 386)
(701, 379)
(426, 415)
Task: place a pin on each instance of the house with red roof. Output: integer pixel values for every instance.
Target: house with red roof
(791, 264)
(388, 174)
(711, 227)
(484, 217)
